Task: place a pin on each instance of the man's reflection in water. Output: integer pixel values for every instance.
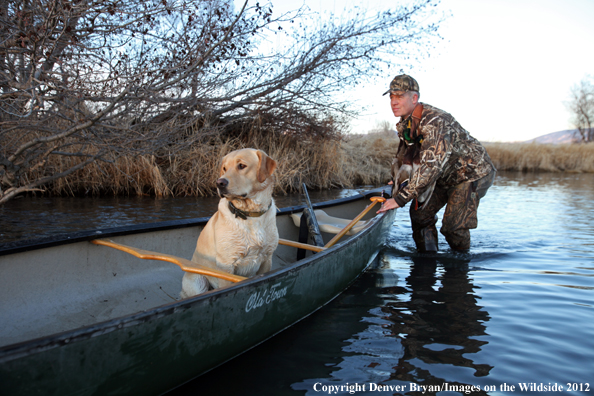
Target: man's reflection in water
(438, 325)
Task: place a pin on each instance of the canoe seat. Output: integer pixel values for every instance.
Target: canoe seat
(330, 224)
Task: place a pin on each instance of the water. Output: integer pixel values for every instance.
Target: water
(31, 218)
(513, 313)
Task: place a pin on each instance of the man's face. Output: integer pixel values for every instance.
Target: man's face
(402, 103)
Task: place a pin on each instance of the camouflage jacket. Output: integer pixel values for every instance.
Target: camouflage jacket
(448, 155)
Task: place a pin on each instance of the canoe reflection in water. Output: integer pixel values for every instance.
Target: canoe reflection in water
(439, 324)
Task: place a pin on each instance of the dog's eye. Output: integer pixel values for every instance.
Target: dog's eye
(241, 166)
(224, 169)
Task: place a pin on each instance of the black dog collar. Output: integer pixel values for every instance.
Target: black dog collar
(243, 214)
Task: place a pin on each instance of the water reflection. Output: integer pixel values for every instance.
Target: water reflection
(425, 327)
(437, 319)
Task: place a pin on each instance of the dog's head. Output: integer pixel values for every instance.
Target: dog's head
(245, 172)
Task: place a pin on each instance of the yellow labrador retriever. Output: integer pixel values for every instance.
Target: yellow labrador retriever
(241, 236)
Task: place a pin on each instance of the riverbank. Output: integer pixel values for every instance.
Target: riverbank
(322, 164)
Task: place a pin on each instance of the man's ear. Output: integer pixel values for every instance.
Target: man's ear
(266, 166)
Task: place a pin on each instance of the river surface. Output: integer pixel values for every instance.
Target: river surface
(514, 315)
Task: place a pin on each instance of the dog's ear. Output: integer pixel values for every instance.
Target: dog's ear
(266, 166)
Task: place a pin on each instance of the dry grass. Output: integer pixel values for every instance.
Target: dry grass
(194, 172)
(534, 157)
(366, 159)
(323, 164)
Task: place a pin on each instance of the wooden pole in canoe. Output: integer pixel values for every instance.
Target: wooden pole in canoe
(184, 264)
(348, 227)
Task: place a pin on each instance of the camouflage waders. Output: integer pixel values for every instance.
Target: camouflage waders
(460, 215)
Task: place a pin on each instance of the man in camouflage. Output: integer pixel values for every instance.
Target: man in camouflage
(438, 163)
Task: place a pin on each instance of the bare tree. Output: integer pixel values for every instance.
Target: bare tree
(581, 106)
(90, 80)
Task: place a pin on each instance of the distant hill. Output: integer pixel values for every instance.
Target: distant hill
(567, 136)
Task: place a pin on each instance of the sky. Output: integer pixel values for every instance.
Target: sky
(504, 69)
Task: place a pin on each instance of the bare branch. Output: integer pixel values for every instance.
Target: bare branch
(89, 79)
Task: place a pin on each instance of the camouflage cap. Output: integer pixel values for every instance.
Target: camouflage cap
(403, 82)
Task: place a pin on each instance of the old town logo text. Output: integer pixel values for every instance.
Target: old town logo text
(258, 299)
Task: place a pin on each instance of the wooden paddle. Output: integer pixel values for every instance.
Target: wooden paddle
(183, 263)
(348, 227)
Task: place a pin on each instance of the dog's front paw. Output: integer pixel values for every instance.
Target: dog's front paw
(193, 284)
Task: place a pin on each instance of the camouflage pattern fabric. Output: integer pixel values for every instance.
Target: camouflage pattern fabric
(458, 169)
(460, 215)
(448, 155)
(403, 83)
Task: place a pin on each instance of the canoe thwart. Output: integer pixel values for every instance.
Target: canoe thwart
(299, 245)
(184, 264)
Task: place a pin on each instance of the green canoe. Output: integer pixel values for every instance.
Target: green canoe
(81, 319)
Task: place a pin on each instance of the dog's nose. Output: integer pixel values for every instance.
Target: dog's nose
(222, 183)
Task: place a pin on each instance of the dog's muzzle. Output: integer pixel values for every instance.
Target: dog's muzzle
(222, 188)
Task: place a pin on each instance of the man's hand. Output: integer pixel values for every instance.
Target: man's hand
(388, 205)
